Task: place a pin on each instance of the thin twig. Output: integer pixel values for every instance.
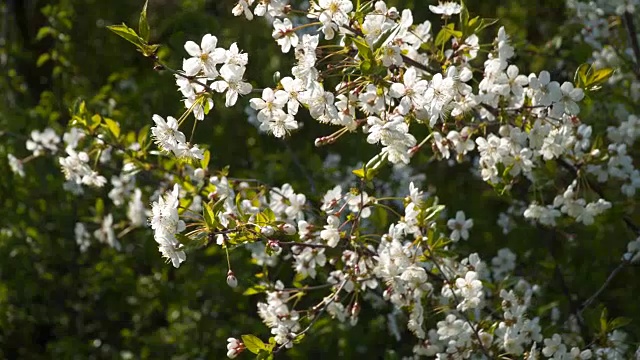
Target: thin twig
(193, 79)
(573, 304)
(593, 297)
(293, 243)
(296, 161)
(628, 222)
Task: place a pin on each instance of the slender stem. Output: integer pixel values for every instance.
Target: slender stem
(298, 163)
(633, 41)
(192, 79)
(293, 243)
(593, 297)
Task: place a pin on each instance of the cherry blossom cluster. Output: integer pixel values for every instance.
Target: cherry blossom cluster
(209, 63)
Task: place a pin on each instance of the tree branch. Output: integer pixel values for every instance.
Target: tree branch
(627, 18)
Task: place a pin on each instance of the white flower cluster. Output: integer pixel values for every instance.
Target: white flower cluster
(268, 9)
(170, 139)
(275, 313)
(77, 170)
(202, 67)
(40, 142)
(166, 223)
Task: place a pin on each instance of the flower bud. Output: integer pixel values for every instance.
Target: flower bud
(275, 246)
(355, 309)
(234, 347)
(231, 279)
(289, 229)
(198, 174)
(387, 293)
(276, 77)
(267, 231)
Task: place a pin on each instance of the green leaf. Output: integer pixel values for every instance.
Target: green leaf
(580, 77)
(485, 23)
(96, 120)
(128, 34)
(113, 127)
(253, 343)
(598, 77)
(217, 207)
(264, 355)
(383, 38)
(446, 33)
(207, 106)
(204, 163)
(619, 322)
(262, 219)
(143, 25)
(298, 339)
(143, 134)
(99, 207)
(209, 216)
(365, 53)
(603, 321)
(365, 67)
(42, 59)
(183, 239)
(254, 290)
(472, 23)
(464, 17)
(586, 77)
(44, 31)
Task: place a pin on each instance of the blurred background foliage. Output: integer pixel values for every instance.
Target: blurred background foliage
(56, 302)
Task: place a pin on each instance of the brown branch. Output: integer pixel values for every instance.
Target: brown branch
(627, 18)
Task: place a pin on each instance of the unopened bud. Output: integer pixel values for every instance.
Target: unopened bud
(289, 229)
(198, 173)
(231, 279)
(387, 294)
(275, 246)
(234, 347)
(267, 230)
(355, 309)
(276, 77)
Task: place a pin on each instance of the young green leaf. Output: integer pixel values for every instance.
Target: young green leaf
(253, 343)
(128, 34)
(113, 127)
(204, 163)
(143, 25)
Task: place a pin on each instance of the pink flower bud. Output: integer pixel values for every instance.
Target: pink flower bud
(234, 347)
(289, 229)
(275, 246)
(231, 279)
